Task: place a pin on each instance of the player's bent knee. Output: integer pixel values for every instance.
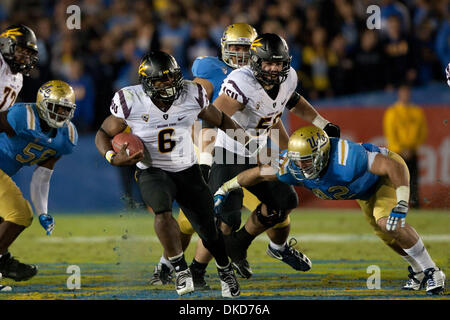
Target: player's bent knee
(22, 215)
(272, 217)
(283, 224)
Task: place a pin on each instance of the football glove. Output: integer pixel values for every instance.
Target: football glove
(332, 130)
(47, 222)
(398, 213)
(219, 199)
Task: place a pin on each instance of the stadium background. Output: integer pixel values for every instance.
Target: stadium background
(352, 83)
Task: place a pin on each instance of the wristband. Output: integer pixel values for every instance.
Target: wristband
(205, 158)
(231, 185)
(402, 193)
(320, 122)
(109, 155)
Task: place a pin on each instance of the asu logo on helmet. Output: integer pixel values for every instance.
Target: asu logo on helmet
(18, 46)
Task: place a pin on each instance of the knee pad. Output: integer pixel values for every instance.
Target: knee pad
(283, 224)
(273, 217)
(184, 224)
(231, 219)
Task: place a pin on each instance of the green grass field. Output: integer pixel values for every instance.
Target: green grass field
(116, 254)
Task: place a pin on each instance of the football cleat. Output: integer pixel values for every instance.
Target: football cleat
(242, 268)
(435, 280)
(162, 274)
(291, 256)
(184, 283)
(416, 280)
(13, 269)
(4, 288)
(198, 276)
(229, 283)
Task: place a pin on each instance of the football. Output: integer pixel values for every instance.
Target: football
(134, 143)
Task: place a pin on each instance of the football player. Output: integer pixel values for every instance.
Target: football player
(18, 55)
(210, 73)
(256, 96)
(339, 169)
(32, 134)
(161, 111)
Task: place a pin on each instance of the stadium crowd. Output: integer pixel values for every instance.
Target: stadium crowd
(332, 49)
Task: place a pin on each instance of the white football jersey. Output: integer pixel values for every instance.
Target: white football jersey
(10, 85)
(260, 111)
(166, 135)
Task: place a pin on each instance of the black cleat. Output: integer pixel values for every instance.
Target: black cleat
(14, 269)
(198, 276)
(162, 274)
(291, 256)
(242, 268)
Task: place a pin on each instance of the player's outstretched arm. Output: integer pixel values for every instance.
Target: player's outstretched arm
(109, 128)
(302, 108)
(398, 174)
(244, 179)
(39, 190)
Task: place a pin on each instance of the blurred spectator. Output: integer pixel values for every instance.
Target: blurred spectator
(405, 129)
(368, 59)
(443, 42)
(173, 34)
(83, 87)
(317, 61)
(342, 73)
(199, 43)
(400, 64)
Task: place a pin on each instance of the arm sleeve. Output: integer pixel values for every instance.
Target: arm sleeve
(39, 189)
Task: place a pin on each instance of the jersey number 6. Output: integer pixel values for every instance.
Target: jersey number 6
(165, 144)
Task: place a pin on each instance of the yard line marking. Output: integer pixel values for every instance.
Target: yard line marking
(311, 237)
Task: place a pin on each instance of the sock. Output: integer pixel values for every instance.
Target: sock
(279, 247)
(413, 263)
(244, 238)
(420, 254)
(227, 266)
(163, 260)
(198, 265)
(178, 262)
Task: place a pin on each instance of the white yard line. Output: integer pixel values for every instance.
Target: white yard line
(312, 237)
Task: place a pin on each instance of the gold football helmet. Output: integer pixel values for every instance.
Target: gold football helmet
(308, 152)
(237, 34)
(56, 103)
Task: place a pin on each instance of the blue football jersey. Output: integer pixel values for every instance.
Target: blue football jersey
(346, 176)
(31, 145)
(212, 69)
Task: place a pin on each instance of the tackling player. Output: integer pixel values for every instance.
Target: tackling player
(32, 133)
(256, 96)
(18, 55)
(339, 169)
(161, 111)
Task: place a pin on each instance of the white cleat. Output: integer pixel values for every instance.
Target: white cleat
(435, 279)
(416, 280)
(184, 282)
(230, 285)
(4, 288)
